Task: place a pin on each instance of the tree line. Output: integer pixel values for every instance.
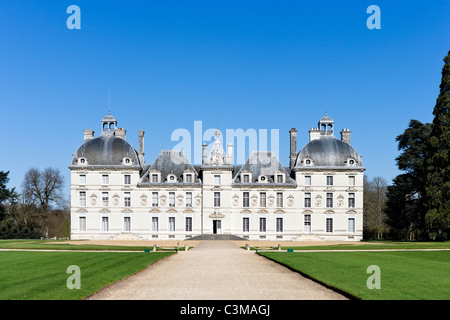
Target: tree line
(417, 204)
(40, 210)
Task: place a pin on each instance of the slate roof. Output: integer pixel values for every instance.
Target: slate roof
(328, 152)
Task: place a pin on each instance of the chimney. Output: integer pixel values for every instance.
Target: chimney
(345, 135)
(293, 156)
(141, 146)
(204, 156)
(230, 153)
(120, 133)
(88, 135)
(314, 134)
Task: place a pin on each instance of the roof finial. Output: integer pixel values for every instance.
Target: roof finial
(109, 103)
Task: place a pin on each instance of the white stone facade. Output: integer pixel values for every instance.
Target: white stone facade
(115, 195)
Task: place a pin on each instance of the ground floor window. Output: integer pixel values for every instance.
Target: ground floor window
(279, 224)
(155, 224)
(329, 224)
(245, 224)
(351, 225)
(172, 224)
(262, 224)
(189, 224)
(105, 224)
(127, 224)
(82, 223)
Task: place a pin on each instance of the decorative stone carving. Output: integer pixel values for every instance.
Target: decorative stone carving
(180, 200)
(217, 215)
(271, 200)
(116, 199)
(143, 200)
(254, 200)
(235, 200)
(198, 200)
(93, 200)
(318, 201)
(340, 201)
(290, 200)
(163, 200)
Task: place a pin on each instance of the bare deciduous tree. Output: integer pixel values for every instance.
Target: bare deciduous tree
(43, 189)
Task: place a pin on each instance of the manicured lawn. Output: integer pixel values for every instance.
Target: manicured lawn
(61, 245)
(404, 275)
(43, 275)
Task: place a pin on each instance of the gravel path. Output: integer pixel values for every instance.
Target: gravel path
(216, 270)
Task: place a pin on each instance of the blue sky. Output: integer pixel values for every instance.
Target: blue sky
(255, 64)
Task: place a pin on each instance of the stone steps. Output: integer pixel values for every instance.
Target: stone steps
(216, 237)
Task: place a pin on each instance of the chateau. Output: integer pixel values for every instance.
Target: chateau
(115, 194)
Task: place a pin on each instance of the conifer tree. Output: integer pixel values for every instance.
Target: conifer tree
(438, 159)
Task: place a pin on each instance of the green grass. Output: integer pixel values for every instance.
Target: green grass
(405, 275)
(62, 245)
(42, 275)
(374, 245)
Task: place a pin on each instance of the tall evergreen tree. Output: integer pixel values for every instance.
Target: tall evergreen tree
(438, 160)
(5, 193)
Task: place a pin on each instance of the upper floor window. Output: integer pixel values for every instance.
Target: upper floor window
(105, 198)
(127, 179)
(154, 199)
(351, 180)
(216, 180)
(279, 199)
(189, 178)
(262, 199)
(307, 180)
(246, 199)
(171, 199)
(329, 180)
(154, 178)
(82, 198)
(216, 199)
(105, 179)
(329, 200)
(82, 179)
(127, 199)
(279, 178)
(246, 178)
(189, 199)
(351, 200)
(307, 200)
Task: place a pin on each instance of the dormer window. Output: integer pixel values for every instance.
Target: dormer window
(127, 161)
(171, 178)
(263, 179)
(188, 178)
(246, 177)
(351, 162)
(82, 161)
(308, 162)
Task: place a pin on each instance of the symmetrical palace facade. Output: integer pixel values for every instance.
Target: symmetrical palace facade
(116, 195)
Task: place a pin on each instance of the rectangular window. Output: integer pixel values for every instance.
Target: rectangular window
(262, 199)
(329, 180)
(154, 178)
(105, 224)
(188, 199)
(82, 224)
(127, 199)
(188, 178)
(279, 178)
(155, 226)
(246, 178)
(351, 180)
(351, 225)
(105, 179)
(127, 224)
(279, 224)
(171, 199)
(329, 224)
(189, 224)
(82, 179)
(154, 199)
(329, 200)
(262, 224)
(279, 199)
(307, 180)
(246, 199)
(217, 180)
(307, 223)
(82, 198)
(245, 224)
(172, 224)
(351, 200)
(216, 199)
(127, 179)
(105, 198)
(307, 200)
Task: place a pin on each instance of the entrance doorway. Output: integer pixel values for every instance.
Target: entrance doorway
(217, 226)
